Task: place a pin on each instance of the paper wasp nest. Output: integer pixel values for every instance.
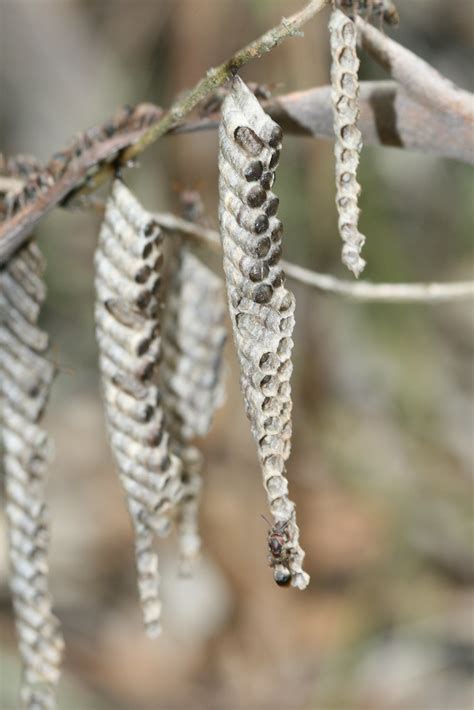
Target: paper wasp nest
(261, 308)
(371, 9)
(128, 262)
(191, 374)
(348, 141)
(26, 375)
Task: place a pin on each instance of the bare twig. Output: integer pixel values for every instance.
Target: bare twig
(383, 292)
(358, 291)
(390, 115)
(217, 76)
(171, 223)
(16, 230)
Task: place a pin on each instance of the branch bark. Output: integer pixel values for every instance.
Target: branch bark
(217, 76)
(426, 113)
(15, 231)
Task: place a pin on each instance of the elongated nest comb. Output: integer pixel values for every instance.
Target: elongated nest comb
(129, 261)
(26, 375)
(348, 138)
(261, 308)
(191, 375)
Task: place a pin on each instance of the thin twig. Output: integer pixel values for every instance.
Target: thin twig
(390, 115)
(14, 231)
(172, 223)
(383, 292)
(358, 291)
(217, 76)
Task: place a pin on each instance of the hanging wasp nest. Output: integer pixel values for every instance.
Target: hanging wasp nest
(191, 374)
(348, 139)
(161, 336)
(161, 379)
(26, 375)
(261, 308)
(377, 10)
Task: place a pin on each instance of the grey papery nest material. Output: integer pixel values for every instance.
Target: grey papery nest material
(128, 263)
(261, 308)
(191, 375)
(348, 138)
(376, 10)
(26, 375)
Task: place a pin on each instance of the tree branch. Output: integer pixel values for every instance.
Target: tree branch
(81, 168)
(217, 76)
(437, 120)
(16, 230)
(382, 292)
(389, 116)
(357, 291)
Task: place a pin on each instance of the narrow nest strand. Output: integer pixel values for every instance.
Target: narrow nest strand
(261, 308)
(192, 376)
(26, 375)
(128, 263)
(348, 138)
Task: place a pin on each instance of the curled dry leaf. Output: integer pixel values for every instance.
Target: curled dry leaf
(261, 308)
(128, 262)
(348, 139)
(26, 375)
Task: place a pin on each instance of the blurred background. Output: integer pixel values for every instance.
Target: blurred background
(381, 468)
